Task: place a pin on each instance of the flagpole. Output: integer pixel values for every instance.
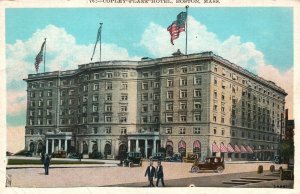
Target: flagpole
(186, 29)
(45, 57)
(100, 39)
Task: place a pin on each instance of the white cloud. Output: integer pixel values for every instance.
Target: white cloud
(63, 53)
(156, 40)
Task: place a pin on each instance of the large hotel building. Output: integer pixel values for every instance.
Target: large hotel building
(198, 103)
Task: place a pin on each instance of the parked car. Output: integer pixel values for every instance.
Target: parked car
(174, 158)
(158, 157)
(210, 163)
(59, 154)
(133, 158)
(24, 153)
(191, 158)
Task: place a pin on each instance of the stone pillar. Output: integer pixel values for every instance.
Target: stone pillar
(146, 148)
(81, 147)
(154, 146)
(90, 146)
(129, 145)
(99, 145)
(59, 144)
(136, 145)
(47, 146)
(66, 145)
(52, 148)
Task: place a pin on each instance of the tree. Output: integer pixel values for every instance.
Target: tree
(287, 150)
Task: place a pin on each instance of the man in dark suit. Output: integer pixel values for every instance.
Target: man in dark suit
(47, 164)
(151, 174)
(159, 174)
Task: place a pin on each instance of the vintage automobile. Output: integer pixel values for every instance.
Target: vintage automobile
(210, 163)
(174, 158)
(59, 154)
(158, 157)
(133, 158)
(191, 158)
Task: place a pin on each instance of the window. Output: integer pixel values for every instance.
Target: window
(40, 94)
(124, 97)
(169, 117)
(169, 106)
(171, 71)
(108, 108)
(84, 109)
(169, 130)
(96, 87)
(215, 81)
(31, 122)
(145, 85)
(183, 105)
(40, 122)
(95, 130)
(108, 130)
(109, 74)
(123, 108)
(182, 131)
(156, 84)
(155, 107)
(223, 109)
(49, 93)
(144, 96)
(50, 83)
(222, 120)
(71, 92)
(184, 69)
(107, 118)
(123, 130)
(199, 68)
(96, 76)
(197, 105)
(197, 117)
(40, 103)
(215, 131)
(144, 119)
(124, 86)
(183, 82)
(146, 74)
(123, 119)
(95, 108)
(215, 94)
(170, 82)
(144, 107)
(49, 102)
(197, 80)
(215, 118)
(156, 119)
(49, 121)
(85, 88)
(95, 98)
(223, 85)
(197, 93)
(155, 96)
(62, 121)
(215, 107)
(124, 75)
(170, 94)
(223, 97)
(215, 69)
(95, 119)
(223, 132)
(183, 93)
(108, 85)
(196, 130)
(108, 97)
(183, 118)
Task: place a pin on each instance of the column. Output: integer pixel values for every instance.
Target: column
(129, 145)
(154, 146)
(136, 145)
(47, 146)
(99, 145)
(59, 144)
(146, 148)
(90, 144)
(66, 144)
(81, 147)
(52, 148)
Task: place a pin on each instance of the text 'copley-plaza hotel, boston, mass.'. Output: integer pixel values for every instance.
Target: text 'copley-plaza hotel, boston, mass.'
(182, 103)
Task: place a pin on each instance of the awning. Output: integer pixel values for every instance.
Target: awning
(181, 144)
(223, 148)
(237, 149)
(197, 144)
(249, 149)
(243, 149)
(215, 148)
(230, 148)
(169, 143)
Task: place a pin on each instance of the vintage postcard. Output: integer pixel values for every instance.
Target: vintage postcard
(126, 95)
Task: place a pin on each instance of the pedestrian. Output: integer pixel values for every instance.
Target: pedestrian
(151, 174)
(47, 164)
(160, 174)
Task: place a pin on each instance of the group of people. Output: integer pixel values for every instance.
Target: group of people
(157, 173)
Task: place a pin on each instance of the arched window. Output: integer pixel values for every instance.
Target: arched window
(169, 148)
(107, 149)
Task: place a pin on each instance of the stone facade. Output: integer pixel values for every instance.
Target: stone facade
(197, 103)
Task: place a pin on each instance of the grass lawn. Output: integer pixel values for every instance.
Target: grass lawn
(39, 162)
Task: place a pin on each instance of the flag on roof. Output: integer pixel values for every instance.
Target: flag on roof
(177, 26)
(39, 57)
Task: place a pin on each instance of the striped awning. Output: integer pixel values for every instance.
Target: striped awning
(169, 142)
(197, 144)
(215, 148)
(230, 148)
(249, 149)
(237, 149)
(223, 149)
(243, 149)
(181, 144)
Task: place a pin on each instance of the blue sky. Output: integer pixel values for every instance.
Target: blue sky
(259, 39)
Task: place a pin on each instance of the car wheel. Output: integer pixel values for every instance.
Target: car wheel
(195, 169)
(130, 164)
(220, 169)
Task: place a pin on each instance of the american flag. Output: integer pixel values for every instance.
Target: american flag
(177, 26)
(39, 57)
